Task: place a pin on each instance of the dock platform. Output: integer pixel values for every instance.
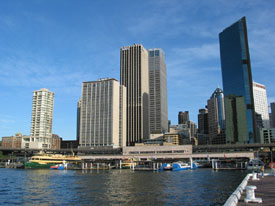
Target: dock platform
(265, 190)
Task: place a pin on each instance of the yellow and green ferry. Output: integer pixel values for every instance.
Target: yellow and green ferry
(45, 161)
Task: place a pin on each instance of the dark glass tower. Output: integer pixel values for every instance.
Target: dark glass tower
(216, 117)
(183, 117)
(237, 84)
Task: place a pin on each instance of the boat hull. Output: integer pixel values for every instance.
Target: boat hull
(35, 165)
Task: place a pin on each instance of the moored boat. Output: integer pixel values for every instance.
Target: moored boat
(166, 166)
(127, 164)
(255, 164)
(45, 161)
(177, 166)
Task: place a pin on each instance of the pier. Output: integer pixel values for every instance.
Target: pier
(263, 190)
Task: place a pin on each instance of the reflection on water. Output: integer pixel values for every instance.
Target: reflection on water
(117, 187)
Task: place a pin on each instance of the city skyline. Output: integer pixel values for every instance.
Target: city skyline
(60, 51)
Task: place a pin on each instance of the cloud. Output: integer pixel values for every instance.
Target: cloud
(203, 52)
(6, 119)
(18, 71)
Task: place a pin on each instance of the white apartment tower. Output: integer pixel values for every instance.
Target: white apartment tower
(42, 119)
(102, 114)
(134, 76)
(158, 91)
(260, 102)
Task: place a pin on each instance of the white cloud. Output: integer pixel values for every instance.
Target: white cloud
(28, 72)
(203, 52)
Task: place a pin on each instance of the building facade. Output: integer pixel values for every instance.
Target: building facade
(183, 117)
(134, 75)
(203, 121)
(101, 106)
(202, 134)
(272, 106)
(270, 121)
(78, 112)
(56, 141)
(13, 142)
(158, 92)
(42, 119)
(260, 102)
(237, 84)
(216, 117)
(267, 135)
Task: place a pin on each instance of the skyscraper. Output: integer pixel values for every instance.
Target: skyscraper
(42, 119)
(101, 106)
(158, 91)
(260, 102)
(202, 134)
(216, 117)
(270, 121)
(183, 117)
(78, 121)
(134, 75)
(237, 84)
(272, 106)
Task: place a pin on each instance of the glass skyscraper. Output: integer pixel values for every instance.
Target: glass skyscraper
(216, 117)
(237, 84)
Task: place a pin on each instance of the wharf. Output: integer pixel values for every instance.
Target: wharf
(265, 190)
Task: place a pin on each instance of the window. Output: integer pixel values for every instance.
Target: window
(157, 53)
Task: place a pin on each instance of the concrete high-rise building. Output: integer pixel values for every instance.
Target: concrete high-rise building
(100, 117)
(193, 128)
(272, 106)
(267, 135)
(158, 91)
(202, 134)
(216, 117)
(183, 117)
(237, 84)
(134, 75)
(270, 121)
(78, 120)
(203, 121)
(260, 102)
(42, 119)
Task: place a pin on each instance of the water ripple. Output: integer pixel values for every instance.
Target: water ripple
(117, 187)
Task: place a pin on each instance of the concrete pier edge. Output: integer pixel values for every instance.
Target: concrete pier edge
(236, 195)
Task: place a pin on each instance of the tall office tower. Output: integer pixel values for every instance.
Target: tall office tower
(42, 119)
(158, 92)
(122, 116)
(260, 102)
(272, 106)
(203, 121)
(237, 84)
(202, 134)
(216, 117)
(134, 75)
(183, 117)
(78, 120)
(101, 105)
(270, 121)
(193, 128)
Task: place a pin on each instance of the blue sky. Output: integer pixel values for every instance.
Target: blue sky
(58, 44)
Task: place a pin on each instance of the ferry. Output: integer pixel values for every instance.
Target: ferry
(177, 166)
(166, 166)
(127, 164)
(45, 161)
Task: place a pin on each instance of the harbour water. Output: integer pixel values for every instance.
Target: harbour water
(117, 187)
